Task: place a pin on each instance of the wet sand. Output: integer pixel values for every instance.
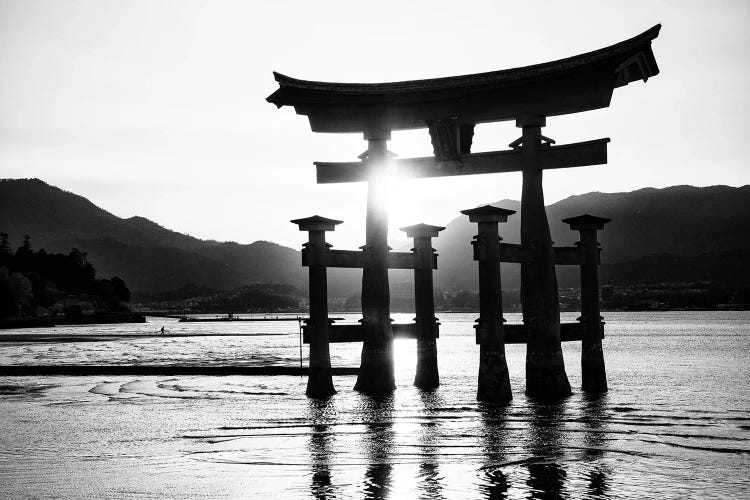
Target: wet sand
(675, 424)
(215, 371)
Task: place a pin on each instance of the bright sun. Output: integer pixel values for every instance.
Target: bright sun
(396, 197)
(399, 198)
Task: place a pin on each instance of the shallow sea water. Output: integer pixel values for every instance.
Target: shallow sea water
(675, 423)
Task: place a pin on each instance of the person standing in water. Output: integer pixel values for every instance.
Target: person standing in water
(162, 330)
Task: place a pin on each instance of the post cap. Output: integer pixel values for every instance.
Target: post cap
(316, 223)
(422, 230)
(530, 119)
(488, 213)
(375, 133)
(586, 221)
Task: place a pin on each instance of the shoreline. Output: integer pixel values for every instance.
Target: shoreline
(159, 370)
(57, 338)
(92, 319)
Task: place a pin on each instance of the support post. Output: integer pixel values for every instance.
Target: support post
(319, 380)
(427, 376)
(494, 381)
(545, 367)
(376, 375)
(593, 372)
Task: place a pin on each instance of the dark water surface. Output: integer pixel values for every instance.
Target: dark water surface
(675, 424)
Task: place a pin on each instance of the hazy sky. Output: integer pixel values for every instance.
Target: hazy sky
(157, 108)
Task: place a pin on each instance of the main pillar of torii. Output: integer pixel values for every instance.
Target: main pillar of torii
(450, 108)
(376, 366)
(545, 368)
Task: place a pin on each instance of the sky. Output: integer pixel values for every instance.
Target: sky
(157, 108)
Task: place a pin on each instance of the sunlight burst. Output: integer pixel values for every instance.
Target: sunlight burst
(394, 195)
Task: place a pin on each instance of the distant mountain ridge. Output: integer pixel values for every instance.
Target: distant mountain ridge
(683, 221)
(655, 233)
(147, 256)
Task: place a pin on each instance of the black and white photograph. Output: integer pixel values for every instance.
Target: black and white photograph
(429, 249)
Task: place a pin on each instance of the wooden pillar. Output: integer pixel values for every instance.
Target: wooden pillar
(319, 380)
(494, 381)
(593, 372)
(545, 367)
(376, 375)
(427, 376)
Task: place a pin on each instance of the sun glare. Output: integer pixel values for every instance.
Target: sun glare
(395, 196)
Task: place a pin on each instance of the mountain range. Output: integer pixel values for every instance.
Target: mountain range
(672, 225)
(147, 256)
(680, 233)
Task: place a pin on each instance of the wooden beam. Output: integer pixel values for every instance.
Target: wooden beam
(355, 333)
(348, 258)
(401, 260)
(564, 256)
(514, 253)
(514, 333)
(569, 332)
(357, 259)
(569, 256)
(341, 258)
(579, 154)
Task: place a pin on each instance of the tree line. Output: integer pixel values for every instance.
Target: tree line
(256, 297)
(36, 281)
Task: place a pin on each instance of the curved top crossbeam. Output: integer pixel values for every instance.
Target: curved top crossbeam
(574, 84)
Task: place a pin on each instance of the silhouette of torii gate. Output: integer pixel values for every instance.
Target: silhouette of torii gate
(450, 108)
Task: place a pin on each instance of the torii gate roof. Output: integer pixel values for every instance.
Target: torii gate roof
(574, 84)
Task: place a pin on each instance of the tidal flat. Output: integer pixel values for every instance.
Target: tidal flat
(675, 423)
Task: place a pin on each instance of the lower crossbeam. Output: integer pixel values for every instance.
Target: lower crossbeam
(514, 334)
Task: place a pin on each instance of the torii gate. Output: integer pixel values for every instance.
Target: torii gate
(450, 108)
